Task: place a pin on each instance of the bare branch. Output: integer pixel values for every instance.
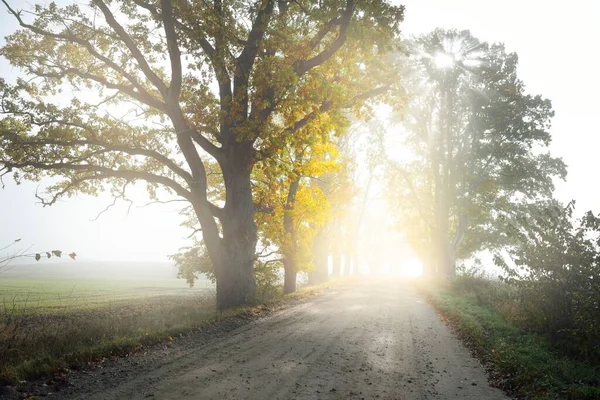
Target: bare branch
(121, 195)
(10, 245)
(5, 262)
(261, 255)
(162, 202)
(4, 171)
(273, 260)
(196, 230)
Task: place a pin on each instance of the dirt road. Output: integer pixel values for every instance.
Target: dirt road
(375, 340)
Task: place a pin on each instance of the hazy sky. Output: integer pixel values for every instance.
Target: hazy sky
(557, 44)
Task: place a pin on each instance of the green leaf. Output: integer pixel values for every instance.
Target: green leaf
(57, 253)
(73, 255)
(37, 257)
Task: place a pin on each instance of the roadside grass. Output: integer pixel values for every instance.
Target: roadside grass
(485, 316)
(42, 341)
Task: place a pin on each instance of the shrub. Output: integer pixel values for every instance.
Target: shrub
(194, 261)
(268, 279)
(556, 269)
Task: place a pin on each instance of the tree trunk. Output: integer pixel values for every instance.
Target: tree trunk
(236, 285)
(321, 271)
(337, 249)
(337, 261)
(354, 259)
(234, 267)
(347, 262)
(442, 164)
(290, 275)
(429, 265)
(290, 245)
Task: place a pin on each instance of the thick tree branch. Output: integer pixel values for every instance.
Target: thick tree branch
(245, 61)
(332, 23)
(208, 146)
(264, 209)
(108, 172)
(368, 95)
(173, 48)
(4, 171)
(185, 134)
(301, 123)
(166, 161)
(303, 67)
(129, 90)
(204, 43)
(141, 94)
(135, 52)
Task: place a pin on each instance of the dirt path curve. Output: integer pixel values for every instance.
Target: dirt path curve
(375, 340)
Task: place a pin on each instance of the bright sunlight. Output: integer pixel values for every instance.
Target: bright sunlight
(444, 60)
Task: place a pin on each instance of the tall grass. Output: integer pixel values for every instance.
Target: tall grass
(37, 343)
(493, 319)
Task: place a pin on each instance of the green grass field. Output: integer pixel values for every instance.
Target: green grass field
(56, 317)
(44, 295)
(62, 315)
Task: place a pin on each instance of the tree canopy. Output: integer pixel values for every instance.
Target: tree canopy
(170, 92)
(480, 148)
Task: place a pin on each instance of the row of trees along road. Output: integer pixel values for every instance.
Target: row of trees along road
(479, 144)
(242, 109)
(211, 102)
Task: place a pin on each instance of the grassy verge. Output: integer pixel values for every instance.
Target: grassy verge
(522, 362)
(39, 344)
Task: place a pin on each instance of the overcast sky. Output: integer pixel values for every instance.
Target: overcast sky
(557, 44)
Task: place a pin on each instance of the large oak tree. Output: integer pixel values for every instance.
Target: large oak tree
(209, 81)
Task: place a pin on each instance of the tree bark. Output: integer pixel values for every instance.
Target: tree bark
(290, 245)
(234, 267)
(236, 285)
(290, 275)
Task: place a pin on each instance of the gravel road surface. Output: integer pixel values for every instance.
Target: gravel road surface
(368, 340)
